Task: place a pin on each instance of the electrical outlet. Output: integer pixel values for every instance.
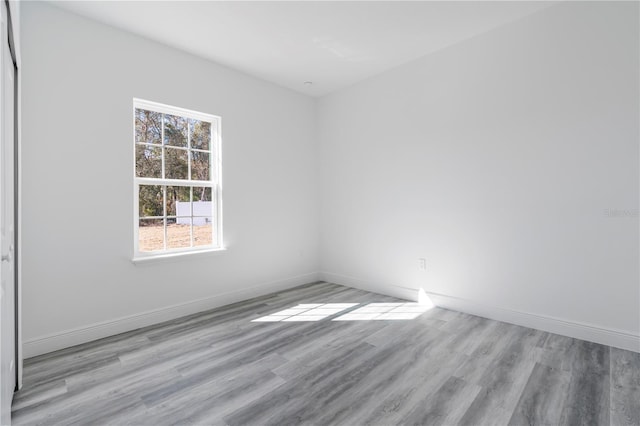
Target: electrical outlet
(422, 264)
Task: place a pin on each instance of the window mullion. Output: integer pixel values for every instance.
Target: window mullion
(215, 223)
(213, 156)
(162, 144)
(174, 182)
(216, 212)
(188, 150)
(191, 210)
(164, 214)
(136, 212)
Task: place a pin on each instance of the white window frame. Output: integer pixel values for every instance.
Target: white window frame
(215, 182)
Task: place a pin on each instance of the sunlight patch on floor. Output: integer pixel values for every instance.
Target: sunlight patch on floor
(385, 311)
(306, 312)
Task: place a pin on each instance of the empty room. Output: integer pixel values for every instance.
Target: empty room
(320, 213)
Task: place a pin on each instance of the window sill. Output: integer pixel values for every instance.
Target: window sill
(173, 257)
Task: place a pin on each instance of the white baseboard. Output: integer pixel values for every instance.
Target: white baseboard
(52, 342)
(64, 339)
(386, 289)
(617, 338)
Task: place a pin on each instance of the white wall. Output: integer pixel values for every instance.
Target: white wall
(496, 160)
(79, 81)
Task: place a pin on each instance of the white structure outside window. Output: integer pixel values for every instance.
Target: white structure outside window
(177, 188)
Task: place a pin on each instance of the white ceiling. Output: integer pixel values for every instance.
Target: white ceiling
(332, 44)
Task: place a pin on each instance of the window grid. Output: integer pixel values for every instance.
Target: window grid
(213, 216)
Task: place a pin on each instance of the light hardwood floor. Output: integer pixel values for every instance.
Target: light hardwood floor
(443, 367)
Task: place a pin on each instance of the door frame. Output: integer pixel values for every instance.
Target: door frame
(16, 199)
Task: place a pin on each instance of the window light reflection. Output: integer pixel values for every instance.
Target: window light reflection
(306, 312)
(385, 311)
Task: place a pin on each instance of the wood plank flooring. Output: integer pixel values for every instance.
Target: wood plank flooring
(441, 368)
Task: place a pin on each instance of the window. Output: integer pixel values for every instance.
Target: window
(177, 190)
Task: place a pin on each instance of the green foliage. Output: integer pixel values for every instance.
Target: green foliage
(176, 164)
(148, 126)
(175, 194)
(202, 194)
(150, 147)
(175, 130)
(148, 161)
(201, 134)
(200, 165)
(150, 200)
